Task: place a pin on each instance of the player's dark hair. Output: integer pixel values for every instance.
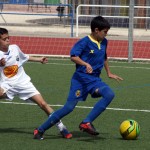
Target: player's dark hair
(100, 23)
(3, 31)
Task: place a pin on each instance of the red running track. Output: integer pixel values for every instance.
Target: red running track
(62, 46)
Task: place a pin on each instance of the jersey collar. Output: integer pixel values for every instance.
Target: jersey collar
(96, 42)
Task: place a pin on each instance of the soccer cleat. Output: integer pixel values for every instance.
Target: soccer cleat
(66, 134)
(88, 127)
(38, 135)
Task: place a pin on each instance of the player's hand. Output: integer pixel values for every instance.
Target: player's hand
(114, 76)
(2, 62)
(89, 69)
(44, 60)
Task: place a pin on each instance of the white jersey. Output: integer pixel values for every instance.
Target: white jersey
(13, 79)
(13, 72)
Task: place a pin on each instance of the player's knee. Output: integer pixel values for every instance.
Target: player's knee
(110, 95)
(1, 93)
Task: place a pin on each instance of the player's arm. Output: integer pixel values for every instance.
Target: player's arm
(43, 59)
(25, 57)
(110, 75)
(79, 61)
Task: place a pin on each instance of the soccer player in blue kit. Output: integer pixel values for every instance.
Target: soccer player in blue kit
(90, 56)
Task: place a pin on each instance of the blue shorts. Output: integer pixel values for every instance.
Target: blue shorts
(83, 84)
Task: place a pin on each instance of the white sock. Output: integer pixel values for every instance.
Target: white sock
(60, 125)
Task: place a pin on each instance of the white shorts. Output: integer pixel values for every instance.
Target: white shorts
(24, 91)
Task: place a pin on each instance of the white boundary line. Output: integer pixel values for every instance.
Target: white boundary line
(83, 107)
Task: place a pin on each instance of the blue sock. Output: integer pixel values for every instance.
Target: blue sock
(57, 115)
(101, 105)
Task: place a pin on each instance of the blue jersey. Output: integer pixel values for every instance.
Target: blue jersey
(92, 52)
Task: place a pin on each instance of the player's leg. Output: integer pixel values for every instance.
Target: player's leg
(2, 94)
(107, 96)
(28, 91)
(74, 95)
(56, 116)
(38, 99)
(6, 91)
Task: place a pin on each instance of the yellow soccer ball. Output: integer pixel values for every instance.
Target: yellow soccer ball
(129, 129)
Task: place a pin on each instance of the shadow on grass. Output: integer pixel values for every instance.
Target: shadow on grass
(26, 131)
(77, 135)
(14, 130)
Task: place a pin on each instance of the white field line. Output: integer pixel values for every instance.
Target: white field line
(82, 107)
(130, 67)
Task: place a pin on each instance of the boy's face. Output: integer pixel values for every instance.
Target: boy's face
(101, 34)
(4, 42)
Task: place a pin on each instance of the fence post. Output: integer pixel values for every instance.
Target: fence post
(130, 31)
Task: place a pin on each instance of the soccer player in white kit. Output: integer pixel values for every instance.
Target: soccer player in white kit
(14, 81)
